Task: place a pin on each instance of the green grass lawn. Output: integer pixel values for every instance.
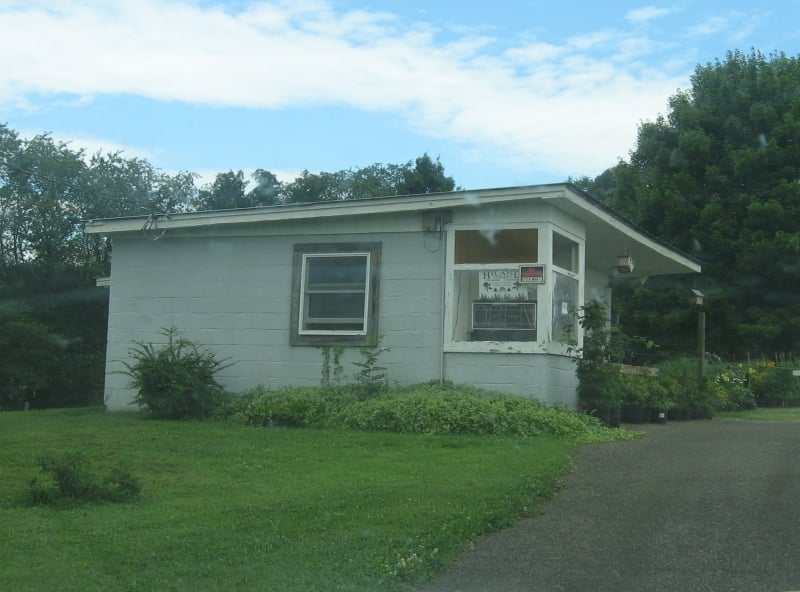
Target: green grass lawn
(763, 414)
(226, 507)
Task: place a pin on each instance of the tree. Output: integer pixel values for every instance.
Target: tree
(376, 180)
(52, 317)
(426, 176)
(228, 191)
(312, 187)
(717, 177)
(267, 189)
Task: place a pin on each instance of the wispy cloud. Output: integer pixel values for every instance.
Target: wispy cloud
(711, 26)
(734, 25)
(647, 13)
(566, 106)
(91, 145)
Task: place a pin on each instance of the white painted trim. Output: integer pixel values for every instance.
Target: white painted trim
(495, 347)
(367, 287)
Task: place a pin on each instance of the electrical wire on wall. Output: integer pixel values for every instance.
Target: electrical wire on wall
(151, 230)
(439, 231)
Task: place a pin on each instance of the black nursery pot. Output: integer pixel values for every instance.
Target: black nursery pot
(635, 414)
(610, 416)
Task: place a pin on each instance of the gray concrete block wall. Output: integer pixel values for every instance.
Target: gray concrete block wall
(233, 295)
(548, 378)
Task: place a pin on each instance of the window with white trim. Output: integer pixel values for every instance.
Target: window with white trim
(495, 285)
(565, 289)
(334, 295)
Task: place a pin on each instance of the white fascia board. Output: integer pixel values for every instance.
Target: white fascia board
(382, 205)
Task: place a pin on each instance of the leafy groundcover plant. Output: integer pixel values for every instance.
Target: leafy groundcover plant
(431, 409)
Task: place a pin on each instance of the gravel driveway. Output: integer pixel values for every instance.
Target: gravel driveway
(694, 506)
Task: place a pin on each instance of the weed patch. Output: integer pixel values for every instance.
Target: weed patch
(67, 479)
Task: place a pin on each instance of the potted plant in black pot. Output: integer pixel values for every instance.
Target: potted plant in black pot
(635, 390)
(660, 397)
(599, 382)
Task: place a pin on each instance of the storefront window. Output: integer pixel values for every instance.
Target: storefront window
(496, 285)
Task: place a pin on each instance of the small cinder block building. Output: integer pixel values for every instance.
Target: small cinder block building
(476, 287)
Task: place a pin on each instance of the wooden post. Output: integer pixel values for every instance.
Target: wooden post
(701, 344)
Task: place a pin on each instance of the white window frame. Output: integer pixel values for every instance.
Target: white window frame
(544, 342)
(578, 258)
(453, 345)
(304, 294)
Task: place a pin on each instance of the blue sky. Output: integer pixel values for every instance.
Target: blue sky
(504, 92)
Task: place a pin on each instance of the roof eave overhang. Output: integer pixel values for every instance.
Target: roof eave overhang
(630, 238)
(382, 205)
(608, 227)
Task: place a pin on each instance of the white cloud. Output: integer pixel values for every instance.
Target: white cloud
(711, 26)
(537, 102)
(91, 145)
(534, 53)
(647, 13)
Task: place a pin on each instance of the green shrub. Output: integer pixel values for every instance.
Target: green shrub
(773, 385)
(28, 360)
(68, 479)
(427, 409)
(599, 382)
(729, 389)
(290, 407)
(662, 392)
(432, 409)
(636, 389)
(177, 380)
(684, 388)
(233, 406)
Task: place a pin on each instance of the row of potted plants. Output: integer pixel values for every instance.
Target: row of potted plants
(673, 389)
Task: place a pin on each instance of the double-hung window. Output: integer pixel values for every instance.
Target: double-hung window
(335, 293)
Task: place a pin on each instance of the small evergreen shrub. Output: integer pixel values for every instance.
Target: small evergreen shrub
(68, 479)
(372, 377)
(177, 380)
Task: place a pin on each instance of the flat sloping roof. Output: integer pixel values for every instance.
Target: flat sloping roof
(603, 225)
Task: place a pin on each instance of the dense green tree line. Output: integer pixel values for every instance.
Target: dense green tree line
(52, 315)
(719, 177)
(231, 189)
